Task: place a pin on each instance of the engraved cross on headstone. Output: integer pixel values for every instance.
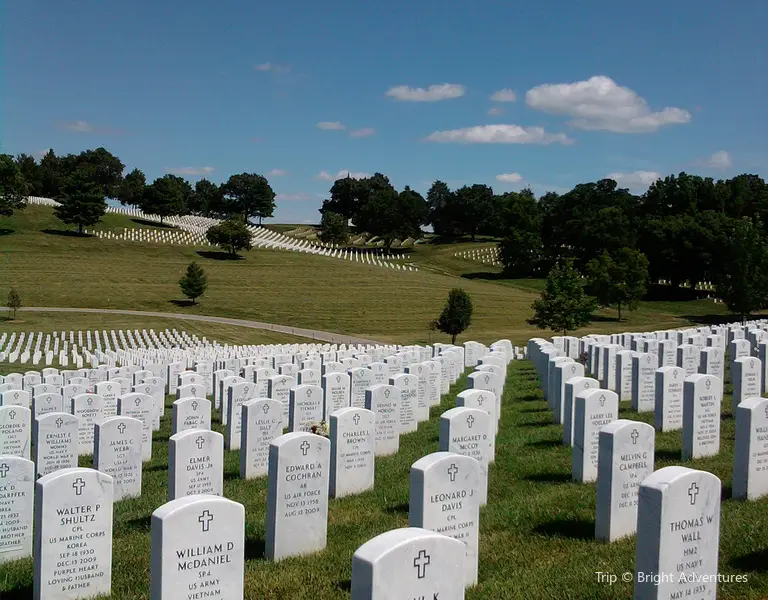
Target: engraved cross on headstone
(634, 436)
(121, 428)
(265, 408)
(200, 441)
(356, 418)
(12, 414)
(421, 562)
(453, 470)
(305, 445)
(693, 491)
(78, 486)
(4, 468)
(470, 421)
(60, 421)
(205, 520)
(602, 400)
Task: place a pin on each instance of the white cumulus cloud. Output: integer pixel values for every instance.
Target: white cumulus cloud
(277, 173)
(274, 68)
(635, 179)
(495, 111)
(331, 126)
(364, 132)
(499, 134)
(191, 171)
(434, 93)
(326, 176)
(719, 160)
(599, 103)
(505, 95)
(509, 177)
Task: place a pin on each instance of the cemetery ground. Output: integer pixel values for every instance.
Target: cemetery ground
(50, 265)
(536, 532)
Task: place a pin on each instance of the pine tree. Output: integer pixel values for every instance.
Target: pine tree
(194, 282)
(82, 202)
(456, 315)
(563, 306)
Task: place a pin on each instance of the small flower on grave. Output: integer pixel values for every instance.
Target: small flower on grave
(320, 428)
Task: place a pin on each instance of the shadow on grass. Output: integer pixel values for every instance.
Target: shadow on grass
(397, 509)
(152, 223)
(137, 524)
(7, 231)
(537, 423)
(153, 468)
(345, 585)
(549, 478)
(576, 529)
(254, 549)
(21, 593)
(182, 303)
(668, 454)
(66, 233)
(545, 444)
(756, 561)
(534, 410)
(485, 275)
(214, 255)
(532, 398)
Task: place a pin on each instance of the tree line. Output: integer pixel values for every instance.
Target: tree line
(81, 183)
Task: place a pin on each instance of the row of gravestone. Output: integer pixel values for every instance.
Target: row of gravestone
(675, 511)
(294, 503)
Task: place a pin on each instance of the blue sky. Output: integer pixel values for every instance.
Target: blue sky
(301, 91)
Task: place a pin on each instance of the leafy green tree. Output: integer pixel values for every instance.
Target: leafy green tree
(619, 280)
(472, 208)
(456, 316)
(13, 187)
(82, 200)
(207, 199)
(14, 302)
(440, 202)
(194, 283)
(344, 197)
(563, 306)
(232, 235)
(166, 197)
(107, 169)
(390, 215)
(334, 229)
(30, 171)
(521, 253)
(250, 195)
(131, 191)
(742, 275)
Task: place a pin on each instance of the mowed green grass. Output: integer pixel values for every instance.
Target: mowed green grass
(536, 533)
(289, 288)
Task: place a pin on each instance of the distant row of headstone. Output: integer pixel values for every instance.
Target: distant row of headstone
(62, 514)
(678, 375)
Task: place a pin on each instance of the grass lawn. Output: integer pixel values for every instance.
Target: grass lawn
(537, 531)
(303, 290)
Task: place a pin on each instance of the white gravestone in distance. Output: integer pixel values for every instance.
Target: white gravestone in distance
(15, 431)
(592, 411)
(262, 422)
(43, 404)
(141, 407)
(279, 388)
(117, 452)
(746, 375)
(485, 401)
(468, 431)
(195, 463)
(678, 534)
(88, 408)
(17, 486)
(297, 495)
(563, 373)
(408, 386)
(16, 398)
(625, 458)
(55, 439)
(335, 392)
(429, 565)
(644, 382)
(573, 387)
(750, 464)
(198, 549)
(190, 413)
(73, 506)
(702, 397)
(306, 407)
(236, 394)
(444, 498)
(384, 401)
(668, 411)
(361, 378)
(352, 435)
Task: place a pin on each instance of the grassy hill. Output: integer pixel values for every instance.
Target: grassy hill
(50, 266)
